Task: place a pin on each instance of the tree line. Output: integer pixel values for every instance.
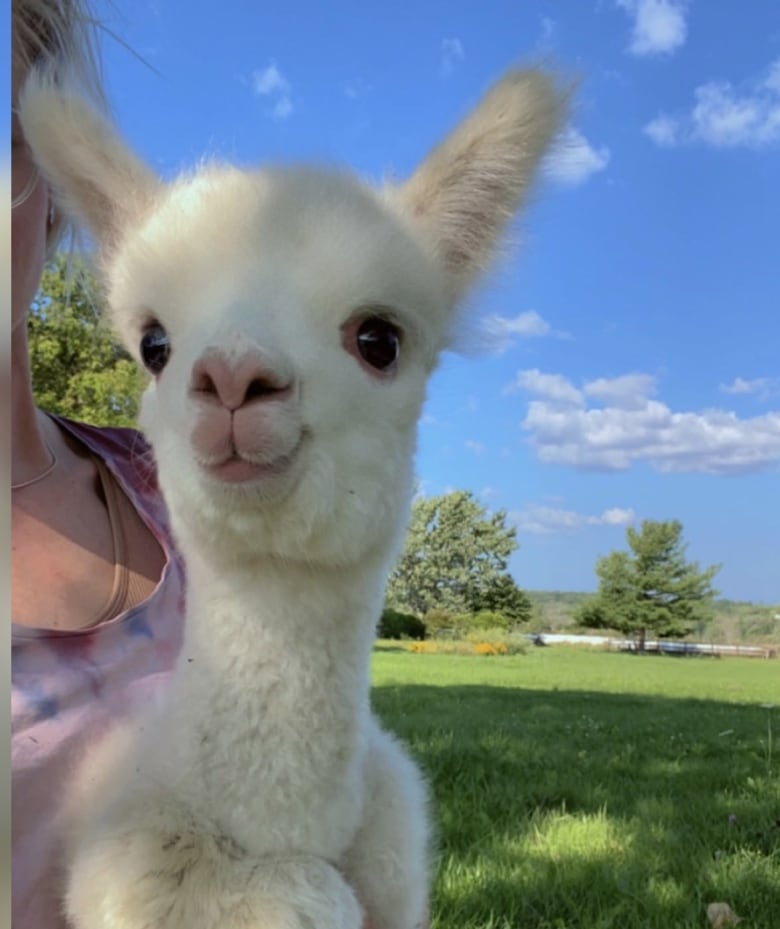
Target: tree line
(452, 575)
(453, 572)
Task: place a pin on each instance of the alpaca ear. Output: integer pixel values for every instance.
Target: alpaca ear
(469, 187)
(94, 176)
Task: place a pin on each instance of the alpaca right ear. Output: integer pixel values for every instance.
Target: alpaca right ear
(94, 176)
(466, 191)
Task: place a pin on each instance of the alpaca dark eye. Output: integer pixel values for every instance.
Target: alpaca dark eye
(155, 348)
(378, 342)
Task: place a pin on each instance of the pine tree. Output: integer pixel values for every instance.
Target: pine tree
(651, 589)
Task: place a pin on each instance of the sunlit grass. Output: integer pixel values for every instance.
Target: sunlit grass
(590, 790)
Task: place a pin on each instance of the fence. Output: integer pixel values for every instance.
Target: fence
(658, 646)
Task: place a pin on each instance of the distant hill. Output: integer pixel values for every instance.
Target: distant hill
(735, 622)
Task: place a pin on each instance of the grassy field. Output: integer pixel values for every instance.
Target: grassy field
(588, 790)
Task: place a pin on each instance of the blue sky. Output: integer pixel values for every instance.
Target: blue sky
(626, 360)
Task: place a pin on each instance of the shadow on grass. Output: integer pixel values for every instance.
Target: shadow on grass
(583, 809)
(388, 645)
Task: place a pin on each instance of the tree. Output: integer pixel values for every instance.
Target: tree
(651, 589)
(455, 559)
(500, 594)
(78, 368)
(396, 625)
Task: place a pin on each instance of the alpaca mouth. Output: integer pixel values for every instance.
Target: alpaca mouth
(237, 469)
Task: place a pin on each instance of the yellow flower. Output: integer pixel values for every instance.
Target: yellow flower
(422, 648)
(491, 648)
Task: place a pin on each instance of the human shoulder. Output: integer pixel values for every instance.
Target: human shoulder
(123, 449)
(116, 439)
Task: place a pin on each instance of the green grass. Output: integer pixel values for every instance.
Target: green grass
(587, 790)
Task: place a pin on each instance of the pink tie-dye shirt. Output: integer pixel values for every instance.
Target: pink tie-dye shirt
(68, 688)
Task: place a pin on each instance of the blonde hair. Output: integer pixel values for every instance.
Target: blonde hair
(62, 37)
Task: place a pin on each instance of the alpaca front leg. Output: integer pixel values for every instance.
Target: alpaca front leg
(388, 864)
(296, 893)
(132, 877)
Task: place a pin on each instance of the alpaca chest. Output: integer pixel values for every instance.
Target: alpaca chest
(276, 765)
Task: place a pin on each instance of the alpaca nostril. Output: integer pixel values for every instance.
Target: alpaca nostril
(237, 384)
(202, 383)
(261, 388)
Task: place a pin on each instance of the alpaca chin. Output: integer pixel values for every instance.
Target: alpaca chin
(313, 516)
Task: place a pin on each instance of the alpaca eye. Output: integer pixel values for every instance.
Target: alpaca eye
(155, 348)
(378, 342)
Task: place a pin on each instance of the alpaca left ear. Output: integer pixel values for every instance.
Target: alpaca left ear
(468, 189)
(94, 177)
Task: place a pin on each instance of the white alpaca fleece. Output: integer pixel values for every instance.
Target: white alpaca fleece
(290, 318)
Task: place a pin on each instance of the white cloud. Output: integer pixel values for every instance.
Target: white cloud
(526, 325)
(740, 386)
(633, 427)
(617, 517)
(282, 108)
(658, 26)
(772, 80)
(271, 83)
(548, 29)
(724, 116)
(627, 392)
(663, 130)
(494, 334)
(546, 520)
(761, 387)
(555, 388)
(269, 80)
(451, 53)
(497, 333)
(477, 447)
(573, 159)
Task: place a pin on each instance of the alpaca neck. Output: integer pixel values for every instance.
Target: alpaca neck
(273, 677)
(279, 633)
(239, 613)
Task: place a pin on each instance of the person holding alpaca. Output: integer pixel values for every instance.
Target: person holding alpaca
(97, 586)
(289, 319)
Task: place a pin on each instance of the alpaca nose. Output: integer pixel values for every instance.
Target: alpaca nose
(236, 383)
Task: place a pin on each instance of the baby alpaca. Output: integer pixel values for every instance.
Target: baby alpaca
(290, 319)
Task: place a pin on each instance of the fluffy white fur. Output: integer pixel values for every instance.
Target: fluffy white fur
(263, 793)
